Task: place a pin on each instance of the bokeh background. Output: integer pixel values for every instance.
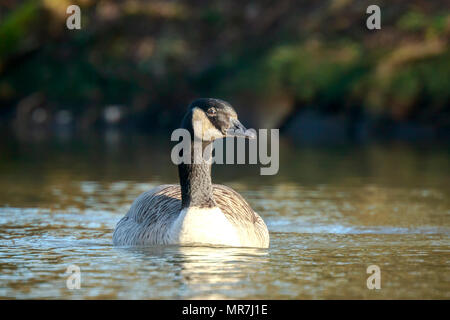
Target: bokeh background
(311, 68)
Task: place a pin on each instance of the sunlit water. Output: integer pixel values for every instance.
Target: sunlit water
(331, 213)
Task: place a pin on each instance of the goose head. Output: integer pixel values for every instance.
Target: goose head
(208, 119)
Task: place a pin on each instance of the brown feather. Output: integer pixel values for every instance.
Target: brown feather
(152, 213)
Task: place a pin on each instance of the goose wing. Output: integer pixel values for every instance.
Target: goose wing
(250, 226)
(149, 218)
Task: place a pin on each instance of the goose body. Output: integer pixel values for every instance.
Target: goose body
(196, 212)
(155, 218)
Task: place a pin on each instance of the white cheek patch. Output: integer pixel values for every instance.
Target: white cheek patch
(212, 134)
(208, 133)
(204, 130)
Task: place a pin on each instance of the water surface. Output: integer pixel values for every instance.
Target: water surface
(331, 213)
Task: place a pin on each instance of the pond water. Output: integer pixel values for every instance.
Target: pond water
(331, 212)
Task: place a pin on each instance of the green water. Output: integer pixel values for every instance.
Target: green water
(331, 213)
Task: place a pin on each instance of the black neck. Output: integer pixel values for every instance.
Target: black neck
(195, 181)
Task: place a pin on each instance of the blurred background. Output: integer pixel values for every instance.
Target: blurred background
(311, 68)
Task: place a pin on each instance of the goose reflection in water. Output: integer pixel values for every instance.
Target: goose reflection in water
(205, 269)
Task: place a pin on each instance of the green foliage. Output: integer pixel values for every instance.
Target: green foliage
(15, 27)
(413, 21)
(162, 53)
(418, 21)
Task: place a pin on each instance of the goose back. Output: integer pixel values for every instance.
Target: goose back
(151, 215)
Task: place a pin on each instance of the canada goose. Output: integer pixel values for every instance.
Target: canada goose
(198, 212)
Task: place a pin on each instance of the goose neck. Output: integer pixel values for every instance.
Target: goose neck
(195, 178)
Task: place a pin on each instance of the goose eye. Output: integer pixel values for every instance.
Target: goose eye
(211, 112)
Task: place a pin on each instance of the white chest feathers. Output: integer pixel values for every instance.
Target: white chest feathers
(203, 226)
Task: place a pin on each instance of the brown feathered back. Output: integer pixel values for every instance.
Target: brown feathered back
(151, 214)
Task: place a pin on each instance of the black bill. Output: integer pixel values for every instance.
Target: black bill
(238, 130)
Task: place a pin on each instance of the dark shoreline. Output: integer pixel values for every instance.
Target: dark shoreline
(306, 127)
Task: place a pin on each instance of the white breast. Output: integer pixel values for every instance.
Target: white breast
(205, 226)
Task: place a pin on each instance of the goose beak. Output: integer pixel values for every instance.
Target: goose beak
(238, 130)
